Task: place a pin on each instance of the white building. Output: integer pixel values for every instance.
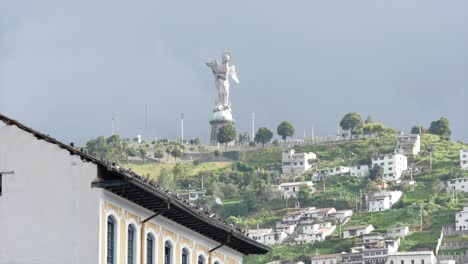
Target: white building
(355, 231)
(291, 189)
(393, 166)
(413, 257)
(398, 232)
(383, 200)
(342, 215)
(193, 195)
(409, 144)
(461, 219)
(327, 259)
(61, 205)
(296, 163)
(458, 184)
(464, 159)
(359, 171)
(267, 236)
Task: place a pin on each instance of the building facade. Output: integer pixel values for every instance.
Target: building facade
(359, 171)
(464, 159)
(458, 184)
(413, 257)
(291, 189)
(393, 166)
(383, 200)
(296, 163)
(409, 144)
(61, 205)
(461, 219)
(355, 231)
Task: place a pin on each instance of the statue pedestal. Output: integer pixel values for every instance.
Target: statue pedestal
(220, 118)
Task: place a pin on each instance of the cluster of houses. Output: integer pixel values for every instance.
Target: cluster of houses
(302, 226)
(393, 165)
(376, 248)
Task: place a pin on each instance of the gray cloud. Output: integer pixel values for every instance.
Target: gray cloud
(67, 67)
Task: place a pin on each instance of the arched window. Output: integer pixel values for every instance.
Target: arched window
(110, 240)
(201, 260)
(185, 256)
(131, 245)
(216, 262)
(149, 249)
(168, 253)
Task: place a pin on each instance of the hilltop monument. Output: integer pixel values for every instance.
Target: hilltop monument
(222, 114)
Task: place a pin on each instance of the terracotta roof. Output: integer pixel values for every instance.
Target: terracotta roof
(141, 191)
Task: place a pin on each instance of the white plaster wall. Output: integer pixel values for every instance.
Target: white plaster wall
(464, 159)
(48, 211)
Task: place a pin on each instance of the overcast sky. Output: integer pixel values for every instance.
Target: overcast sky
(67, 67)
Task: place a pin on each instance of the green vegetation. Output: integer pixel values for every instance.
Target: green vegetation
(285, 130)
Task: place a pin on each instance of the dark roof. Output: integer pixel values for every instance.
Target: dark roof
(141, 191)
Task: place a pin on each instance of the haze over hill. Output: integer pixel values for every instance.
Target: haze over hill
(67, 68)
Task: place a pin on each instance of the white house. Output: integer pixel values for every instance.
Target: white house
(412, 257)
(464, 159)
(267, 236)
(359, 171)
(291, 189)
(193, 195)
(60, 205)
(461, 219)
(398, 232)
(393, 166)
(342, 215)
(296, 163)
(383, 200)
(355, 231)
(458, 184)
(409, 144)
(327, 259)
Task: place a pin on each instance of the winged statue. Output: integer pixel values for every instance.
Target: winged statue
(222, 72)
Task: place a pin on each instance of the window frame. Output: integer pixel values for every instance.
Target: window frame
(185, 251)
(171, 252)
(150, 252)
(111, 220)
(131, 245)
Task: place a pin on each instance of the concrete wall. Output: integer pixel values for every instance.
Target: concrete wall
(48, 211)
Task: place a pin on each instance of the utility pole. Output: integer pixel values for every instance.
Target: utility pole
(421, 220)
(202, 181)
(430, 161)
(252, 136)
(182, 129)
(312, 134)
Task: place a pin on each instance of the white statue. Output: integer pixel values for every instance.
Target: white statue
(222, 72)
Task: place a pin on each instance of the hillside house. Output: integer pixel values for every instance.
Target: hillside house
(296, 163)
(393, 166)
(464, 159)
(62, 205)
(359, 171)
(398, 232)
(412, 257)
(342, 215)
(461, 219)
(383, 200)
(291, 189)
(267, 236)
(458, 184)
(408, 144)
(327, 259)
(355, 231)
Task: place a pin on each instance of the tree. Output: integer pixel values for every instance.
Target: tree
(285, 130)
(217, 153)
(142, 152)
(227, 133)
(131, 152)
(375, 172)
(168, 151)
(176, 152)
(159, 153)
(263, 135)
(418, 130)
(441, 127)
(304, 194)
(112, 149)
(369, 120)
(351, 122)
